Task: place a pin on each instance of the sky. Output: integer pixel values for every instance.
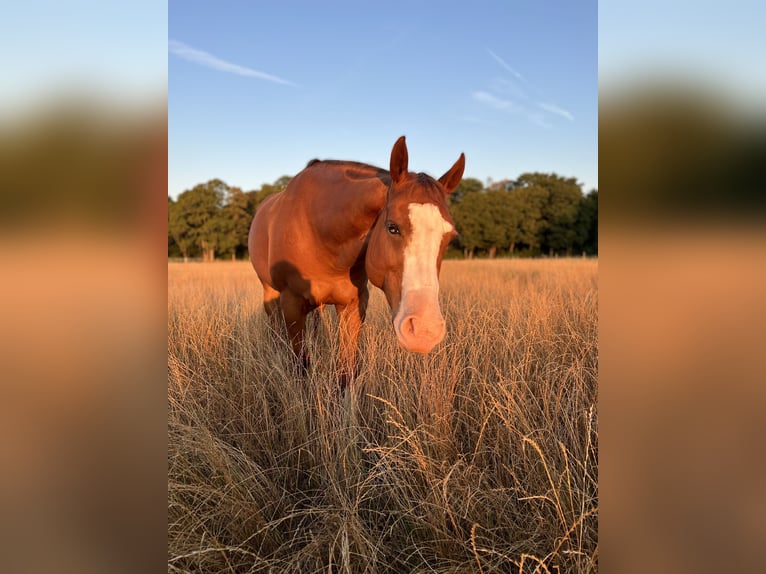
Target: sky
(719, 45)
(257, 89)
(89, 49)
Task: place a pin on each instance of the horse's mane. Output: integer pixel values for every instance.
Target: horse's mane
(356, 164)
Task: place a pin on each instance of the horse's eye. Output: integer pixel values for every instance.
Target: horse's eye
(393, 229)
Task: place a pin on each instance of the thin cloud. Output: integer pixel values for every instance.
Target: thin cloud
(496, 103)
(475, 120)
(554, 109)
(506, 87)
(535, 117)
(493, 101)
(204, 59)
(538, 119)
(505, 65)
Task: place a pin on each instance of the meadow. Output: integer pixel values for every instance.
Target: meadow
(479, 457)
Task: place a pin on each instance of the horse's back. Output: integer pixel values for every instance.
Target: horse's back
(297, 235)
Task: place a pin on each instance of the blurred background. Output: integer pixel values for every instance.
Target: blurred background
(83, 176)
(83, 180)
(682, 150)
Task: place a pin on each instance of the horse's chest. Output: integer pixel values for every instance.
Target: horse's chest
(337, 290)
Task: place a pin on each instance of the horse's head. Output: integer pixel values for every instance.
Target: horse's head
(406, 247)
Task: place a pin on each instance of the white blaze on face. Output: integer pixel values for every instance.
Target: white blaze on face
(428, 229)
(420, 281)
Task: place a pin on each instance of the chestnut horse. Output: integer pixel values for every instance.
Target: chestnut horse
(340, 223)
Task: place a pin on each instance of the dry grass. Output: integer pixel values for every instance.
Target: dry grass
(481, 457)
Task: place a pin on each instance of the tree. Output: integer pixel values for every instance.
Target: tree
(466, 186)
(173, 249)
(235, 218)
(499, 221)
(537, 212)
(179, 229)
(527, 204)
(484, 220)
(557, 231)
(467, 215)
(586, 224)
(195, 218)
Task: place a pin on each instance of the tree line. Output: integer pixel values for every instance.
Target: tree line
(535, 214)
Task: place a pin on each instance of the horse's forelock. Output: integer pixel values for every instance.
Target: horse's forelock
(420, 188)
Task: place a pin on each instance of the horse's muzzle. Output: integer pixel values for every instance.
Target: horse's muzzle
(419, 324)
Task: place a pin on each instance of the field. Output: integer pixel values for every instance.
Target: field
(480, 457)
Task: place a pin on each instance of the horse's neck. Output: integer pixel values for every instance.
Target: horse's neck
(351, 210)
(344, 221)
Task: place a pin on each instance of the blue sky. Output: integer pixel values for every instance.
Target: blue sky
(53, 49)
(719, 45)
(256, 89)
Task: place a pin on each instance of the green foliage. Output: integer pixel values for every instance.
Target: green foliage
(173, 248)
(466, 186)
(536, 214)
(528, 205)
(557, 228)
(486, 221)
(586, 224)
(195, 221)
(214, 218)
(468, 222)
(235, 218)
(179, 228)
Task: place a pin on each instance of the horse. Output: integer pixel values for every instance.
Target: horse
(337, 225)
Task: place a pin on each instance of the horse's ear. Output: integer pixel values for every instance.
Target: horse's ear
(399, 160)
(451, 179)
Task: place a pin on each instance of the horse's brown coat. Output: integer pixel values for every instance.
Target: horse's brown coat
(327, 233)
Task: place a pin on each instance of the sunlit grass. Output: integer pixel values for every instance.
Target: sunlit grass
(481, 456)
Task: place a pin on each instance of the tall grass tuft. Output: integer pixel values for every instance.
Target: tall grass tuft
(480, 457)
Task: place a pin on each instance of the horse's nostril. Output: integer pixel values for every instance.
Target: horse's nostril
(412, 327)
(409, 326)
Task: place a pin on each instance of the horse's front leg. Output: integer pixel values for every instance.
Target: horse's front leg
(294, 312)
(350, 319)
